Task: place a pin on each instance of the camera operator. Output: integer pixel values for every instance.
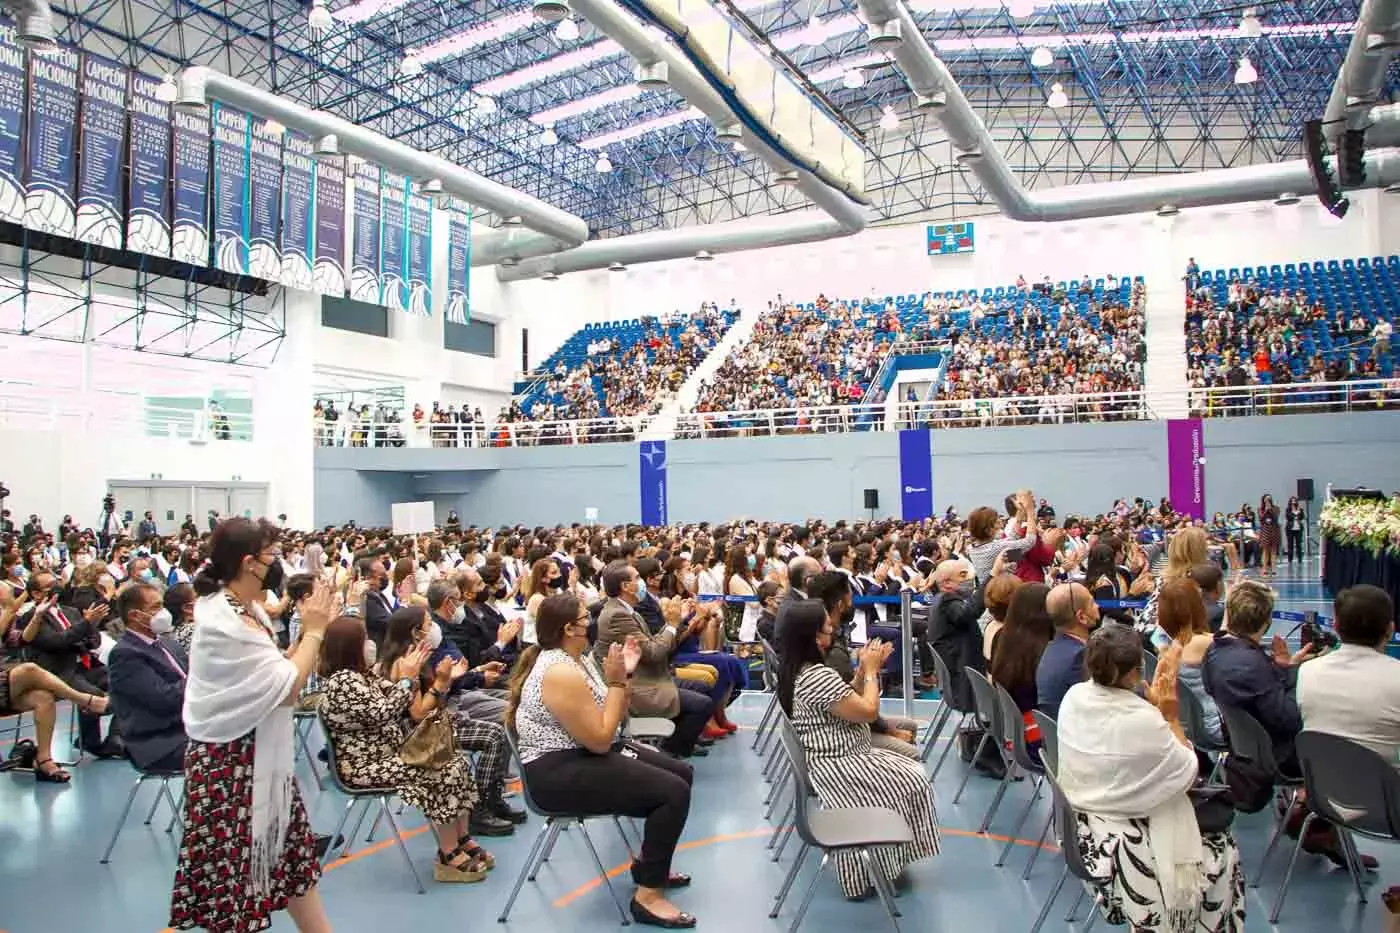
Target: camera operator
(110, 525)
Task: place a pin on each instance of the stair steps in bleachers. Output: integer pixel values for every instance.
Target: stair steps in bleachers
(663, 426)
(1164, 375)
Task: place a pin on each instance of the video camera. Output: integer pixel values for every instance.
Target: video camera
(109, 503)
(1318, 636)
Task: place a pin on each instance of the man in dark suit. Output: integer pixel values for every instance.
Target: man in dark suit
(62, 640)
(147, 672)
(377, 608)
(484, 635)
(800, 570)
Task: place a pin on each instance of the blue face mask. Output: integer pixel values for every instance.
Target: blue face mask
(753, 561)
(641, 589)
(148, 574)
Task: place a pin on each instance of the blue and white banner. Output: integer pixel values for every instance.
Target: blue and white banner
(13, 77)
(329, 221)
(420, 254)
(190, 188)
(459, 257)
(148, 179)
(264, 200)
(230, 191)
(102, 129)
(51, 163)
(915, 475)
(298, 181)
(652, 460)
(364, 255)
(393, 251)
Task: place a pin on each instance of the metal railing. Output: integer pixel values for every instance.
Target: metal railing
(126, 415)
(344, 433)
(1295, 398)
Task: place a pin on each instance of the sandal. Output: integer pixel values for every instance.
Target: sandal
(91, 699)
(473, 849)
(469, 872)
(55, 776)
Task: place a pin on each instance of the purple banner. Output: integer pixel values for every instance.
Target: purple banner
(1186, 466)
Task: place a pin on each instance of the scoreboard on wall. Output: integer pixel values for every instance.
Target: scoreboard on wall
(89, 152)
(950, 238)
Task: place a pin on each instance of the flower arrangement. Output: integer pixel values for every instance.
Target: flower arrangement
(1373, 525)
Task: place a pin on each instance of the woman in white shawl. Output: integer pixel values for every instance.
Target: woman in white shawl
(1125, 766)
(248, 849)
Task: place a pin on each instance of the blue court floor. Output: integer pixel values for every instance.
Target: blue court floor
(51, 839)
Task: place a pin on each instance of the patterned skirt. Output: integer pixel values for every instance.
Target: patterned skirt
(212, 878)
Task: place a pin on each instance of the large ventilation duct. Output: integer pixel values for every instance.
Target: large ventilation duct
(929, 77)
(1361, 80)
(554, 229)
(34, 27)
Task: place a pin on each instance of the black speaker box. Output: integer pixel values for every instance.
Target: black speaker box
(1305, 490)
(872, 498)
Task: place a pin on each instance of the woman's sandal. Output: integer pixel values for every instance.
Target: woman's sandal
(472, 848)
(91, 699)
(469, 872)
(56, 776)
(682, 921)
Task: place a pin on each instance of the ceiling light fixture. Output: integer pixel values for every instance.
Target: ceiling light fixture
(704, 255)
(550, 11)
(411, 66)
(549, 137)
(271, 127)
(787, 178)
(853, 79)
(166, 92)
(1042, 57)
(567, 30)
(550, 276)
(1246, 73)
(889, 120)
(1249, 24)
(1058, 98)
(318, 18)
(616, 267)
(485, 104)
(1287, 199)
(604, 165)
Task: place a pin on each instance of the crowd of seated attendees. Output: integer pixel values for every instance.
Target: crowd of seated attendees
(1283, 327)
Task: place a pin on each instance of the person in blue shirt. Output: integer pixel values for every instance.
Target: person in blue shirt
(1075, 614)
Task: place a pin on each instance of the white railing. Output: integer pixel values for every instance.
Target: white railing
(344, 433)
(126, 415)
(1296, 398)
(899, 348)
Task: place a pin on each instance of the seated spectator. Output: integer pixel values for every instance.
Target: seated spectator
(475, 689)
(1125, 766)
(1075, 614)
(832, 723)
(566, 714)
(28, 688)
(1211, 579)
(997, 595)
(363, 715)
(953, 630)
(147, 672)
(482, 634)
(769, 595)
(1016, 654)
(1181, 615)
(179, 601)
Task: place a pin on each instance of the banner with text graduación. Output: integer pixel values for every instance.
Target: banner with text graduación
(1186, 466)
(101, 129)
(190, 188)
(13, 78)
(230, 189)
(393, 250)
(915, 474)
(329, 223)
(51, 155)
(298, 180)
(264, 200)
(364, 248)
(420, 254)
(459, 256)
(148, 177)
(652, 471)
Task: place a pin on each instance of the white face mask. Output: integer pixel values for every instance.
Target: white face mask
(370, 653)
(459, 616)
(162, 623)
(434, 637)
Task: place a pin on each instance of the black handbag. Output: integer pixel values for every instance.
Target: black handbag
(1214, 806)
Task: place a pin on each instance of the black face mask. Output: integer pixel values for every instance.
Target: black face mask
(272, 580)
(848, 615)
(557, 583)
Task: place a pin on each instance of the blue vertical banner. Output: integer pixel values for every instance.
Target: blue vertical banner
(189, 188)
(51, 163)
(265, 199)
(102, 129)
(915, 474)
(652, 460)
(420, 254)
(148, 178)
(230, 190)
(328, 268)
(298, 182)
(12, 82)
(459, 258)
(364, 257)
(393, 249)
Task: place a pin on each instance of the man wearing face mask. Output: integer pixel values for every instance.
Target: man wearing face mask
(377, 607)
(476, 692)
(146, 676)
(477, 627)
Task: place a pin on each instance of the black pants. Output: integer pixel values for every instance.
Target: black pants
(91, 680)
(696, 709)
(631, 780)
(1295, 544)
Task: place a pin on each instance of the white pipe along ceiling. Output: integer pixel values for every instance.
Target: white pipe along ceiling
(1361, 80)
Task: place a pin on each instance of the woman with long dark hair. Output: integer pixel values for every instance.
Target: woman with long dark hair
(832, 722)
(1268, 534)
(1017, 650)
(566, 715)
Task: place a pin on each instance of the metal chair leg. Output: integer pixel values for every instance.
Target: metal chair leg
(121, 821)
(306, 750)
(622, 910)
(788, 832)
(151, 814)
(344, 818)
(626, 839)
(374, 827)
(780, 782)
(1288, 875)
(1050, 901)
(763, 723)
(553, 837)
(176, 809)
(792, 874)
(972, 766)
(811, 890)
(526, 870)
(936, 732)
(1074, 908)
(403, 846)
(1016, 830)
(1353, 860)
(367, 805)
(1039, 844)
(878, 882)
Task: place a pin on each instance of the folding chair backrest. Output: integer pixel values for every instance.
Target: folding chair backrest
(1248, 739)
(945, 678)
(985, 697)
(1193, 716)
(770, 665)
(1049, 740)
(1350, 784)
(801, 780)
(1013, 729)
(524, 781)
(1067, 831)
(330, 755)
(1149, 665)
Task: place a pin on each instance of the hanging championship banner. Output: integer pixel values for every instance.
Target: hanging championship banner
(364, 258)
(459, 254)
(12, 82)
(190, 188)
(297, 184)
(102, 127)
(329, 270)
(51, 149)
(264, 199)
(420, 254)
(230, 191)
(148, 181)
(393, 251)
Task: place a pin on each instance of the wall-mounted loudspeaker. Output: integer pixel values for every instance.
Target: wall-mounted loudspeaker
(1305, 490)
(872, 498)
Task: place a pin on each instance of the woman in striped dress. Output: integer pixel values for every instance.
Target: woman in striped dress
(832, 721)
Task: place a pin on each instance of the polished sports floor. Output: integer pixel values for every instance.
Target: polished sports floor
(51, 839)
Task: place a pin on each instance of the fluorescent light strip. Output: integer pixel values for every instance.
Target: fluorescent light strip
(483, 34)
(641, 129)
(825, 31)
(986, 43)
(366, 10)
(542, 71)
(575, 108)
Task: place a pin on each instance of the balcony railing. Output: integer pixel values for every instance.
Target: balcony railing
(1296, 398)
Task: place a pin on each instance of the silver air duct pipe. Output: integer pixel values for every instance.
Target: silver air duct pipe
(1361, 80)
(555, 229)
(929, 77)
(34, 27)
(683, 243)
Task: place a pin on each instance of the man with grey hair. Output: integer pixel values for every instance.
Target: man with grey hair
(800, 570)
(1075, 613)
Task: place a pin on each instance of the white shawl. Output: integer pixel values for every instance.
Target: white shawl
(237, 684)
(1119, 760)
